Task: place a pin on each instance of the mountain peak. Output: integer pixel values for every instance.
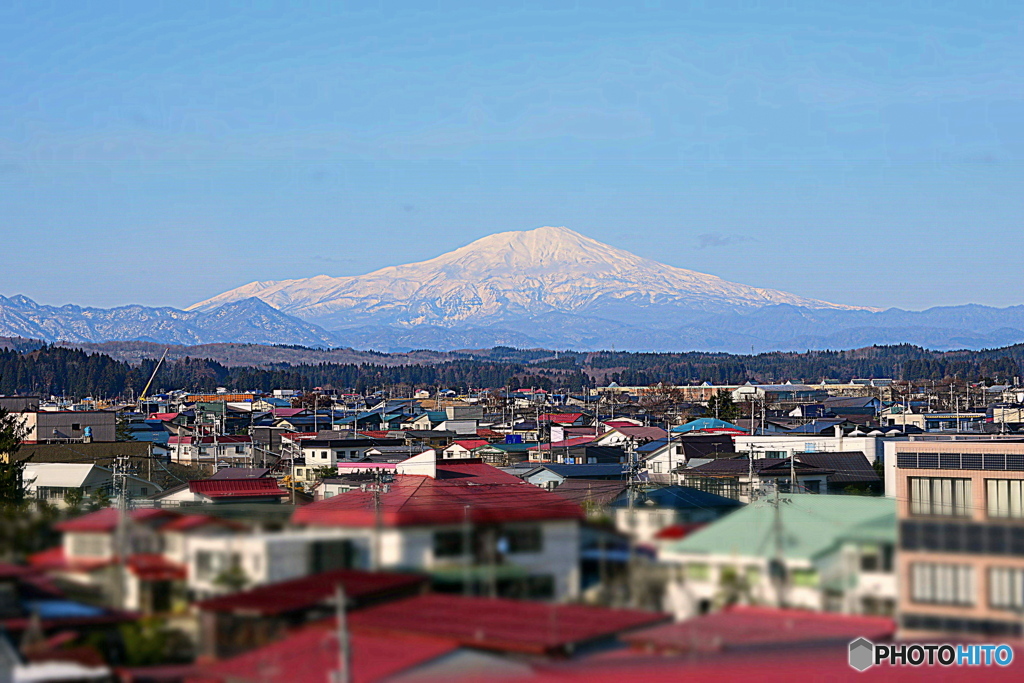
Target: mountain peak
(510, 277)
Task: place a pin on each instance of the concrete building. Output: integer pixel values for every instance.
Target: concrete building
(66, 426)
(961, 537)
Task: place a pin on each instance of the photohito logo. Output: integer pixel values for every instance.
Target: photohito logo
(864, 654)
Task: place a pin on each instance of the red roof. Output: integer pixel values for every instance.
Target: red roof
(286, 412)
(153, 567)
(741, 627)
(190, 522)
(311, 590)
(470, 444)
(163, 417)
(561, 418)
(676, 531)
(567, 443)
(311, 653)
(781, 665)
(106, 519)
(640, 432)
(499, 624)
(412, 500)
(373, 433)
(237, 488)
(488, 434)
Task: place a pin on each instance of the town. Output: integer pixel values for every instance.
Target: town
(663, 530)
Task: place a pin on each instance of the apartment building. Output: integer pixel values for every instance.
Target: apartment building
(960, 506)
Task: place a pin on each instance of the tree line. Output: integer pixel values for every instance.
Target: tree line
(59, 370)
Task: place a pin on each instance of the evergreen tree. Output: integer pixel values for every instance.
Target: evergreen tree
(721, 406)
(12, 484)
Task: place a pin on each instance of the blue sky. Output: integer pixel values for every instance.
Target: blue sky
(868, 153)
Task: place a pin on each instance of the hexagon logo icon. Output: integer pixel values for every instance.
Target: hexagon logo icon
(862, 654)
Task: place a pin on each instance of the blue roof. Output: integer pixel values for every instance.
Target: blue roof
(595, 470)
(678, 498)
(62, 609)
(702, 423)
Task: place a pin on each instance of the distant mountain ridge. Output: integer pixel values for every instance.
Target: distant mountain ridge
(248, 320)
(550, 288)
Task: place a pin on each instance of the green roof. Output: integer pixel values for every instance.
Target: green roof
(812, 525)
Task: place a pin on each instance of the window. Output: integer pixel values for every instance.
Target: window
(1004, 497)
(942, 584)
(1006, 588)
(807, 578)
(145, 491)
(876, 558)
(204, 564)
(76, 427)
(696, 571)
(940, 496)
(89, 545)
(448, 544)
(812, 486)
(527, 539)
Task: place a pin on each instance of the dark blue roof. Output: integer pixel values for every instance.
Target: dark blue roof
(595, 470)
(677, 498)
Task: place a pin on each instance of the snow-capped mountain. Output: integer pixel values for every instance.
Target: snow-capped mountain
(248, 320)
(510, 276)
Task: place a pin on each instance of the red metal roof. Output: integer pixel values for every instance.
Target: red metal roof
(674, 532)
(373, 434)
(561, 418)
(772, 665)
(190, 522)
(499, 624)
(163, 417)
(311, 590)
(153, 567)
(470, 444)
(106, 519)
(309, 654)
(286, 412)
(741, 627)
(491, 495)
(237, 488)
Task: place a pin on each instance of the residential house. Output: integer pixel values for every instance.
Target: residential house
(793, 553)
(213, 450)
(238, 622)
(51, 482)
(642, 514)
(630, 436)
(661, 458)
(740, 478)
(550, 476)
(463, 449)
(522, 540)
(147, 574)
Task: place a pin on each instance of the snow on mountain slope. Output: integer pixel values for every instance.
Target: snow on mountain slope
(248, 320)
(507, 276)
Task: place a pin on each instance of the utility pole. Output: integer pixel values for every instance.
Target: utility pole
(381, 484)
(344, 672)
(777, 567)
(120, 483)
(467, 551)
